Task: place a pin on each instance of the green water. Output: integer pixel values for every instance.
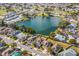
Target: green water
(42, 25)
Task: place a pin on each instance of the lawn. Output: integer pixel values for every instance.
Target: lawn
(24, 19)
(2, 12)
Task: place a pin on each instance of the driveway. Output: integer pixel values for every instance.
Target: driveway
(28, 48)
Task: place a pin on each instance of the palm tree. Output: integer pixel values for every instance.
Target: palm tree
(2, 22)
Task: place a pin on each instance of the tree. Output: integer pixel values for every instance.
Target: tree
(33, 45)
(25, 29)
(12, 45)
(49, 50)
(14, 26)
(24, 43)
(31, 31)
(63, 24)
(52, 34)
(2, 23)
(24, 51)
(70, 6)
(71, 41)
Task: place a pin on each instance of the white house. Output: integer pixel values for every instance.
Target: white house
(60, 37)
(68, 52)
(70, 37)
(77, 40)
(21, 36)
(12, 17)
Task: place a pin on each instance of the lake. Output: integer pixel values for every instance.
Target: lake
(42, 25)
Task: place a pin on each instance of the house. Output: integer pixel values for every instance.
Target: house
(31, 39)
(72, 31)
(48, 44)
(2, 44)
(68, 52)
(14, 33)
(21, 36)
(12, 17)
(38, 43)
(70, 37)
(72, 21)
(0, 38)
(60, 37)
(72, 25)
(77, 40)
(56, 48)
(6, 30)
(44, 42)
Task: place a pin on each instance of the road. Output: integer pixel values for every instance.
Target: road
(9, 40)
(4, 53)
(28, 48)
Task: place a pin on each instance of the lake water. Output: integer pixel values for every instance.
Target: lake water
(42, 25)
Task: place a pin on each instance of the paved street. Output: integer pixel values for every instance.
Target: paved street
(4, 52)
(9, 40)
(32, 50)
